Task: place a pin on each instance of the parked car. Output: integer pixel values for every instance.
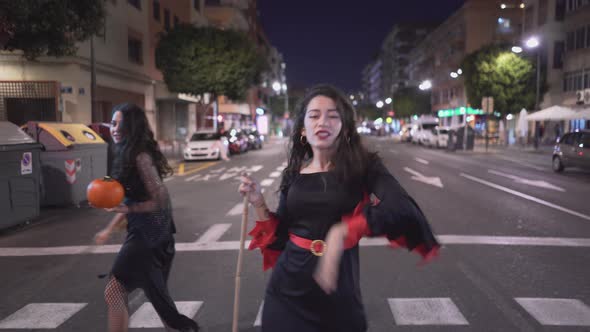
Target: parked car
(238, 141)
(254, 139)
(421, 131)
(439, 137)
(572, 150)
(205, 145)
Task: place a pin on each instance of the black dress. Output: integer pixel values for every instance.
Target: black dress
(311, 205)
(145, 259)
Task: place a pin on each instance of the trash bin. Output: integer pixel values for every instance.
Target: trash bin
(19, 176)
(104, 131)
(73, 156)
(456, 138)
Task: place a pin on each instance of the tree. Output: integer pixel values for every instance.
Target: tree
(368, 111)
(197, 60)
(411, 100)
(49, 27)
(497, 72)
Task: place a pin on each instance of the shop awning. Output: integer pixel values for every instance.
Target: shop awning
(557, 113)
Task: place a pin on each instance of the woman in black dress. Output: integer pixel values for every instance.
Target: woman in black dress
(333, 192)
(145, 258)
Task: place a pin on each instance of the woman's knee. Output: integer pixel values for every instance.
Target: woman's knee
(115, 294)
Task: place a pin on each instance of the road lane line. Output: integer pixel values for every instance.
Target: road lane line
(525, 196)
(422, 161)
(556, 312)
(213, 233)
(146, 316)
(41, 315)
(206, 165)
(366, 242)
(523, 163)
(181, 169)
(426, 311)
(393, 151)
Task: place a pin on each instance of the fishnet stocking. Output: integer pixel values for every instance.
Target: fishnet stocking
(115, 296)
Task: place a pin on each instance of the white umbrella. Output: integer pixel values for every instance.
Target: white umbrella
(522, 126)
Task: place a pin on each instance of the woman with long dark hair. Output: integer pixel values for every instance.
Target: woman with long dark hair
(145, 258)
(332, 193)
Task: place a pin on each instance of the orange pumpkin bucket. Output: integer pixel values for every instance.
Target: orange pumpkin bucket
(105, 193)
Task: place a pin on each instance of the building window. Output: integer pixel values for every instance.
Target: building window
(559, 10)
(529, 18)
(587, 79)
(134, 50)
(504, 25)
(542, 15)
(558, 52)
(570, 40)
(176, 21)
(212, 2)
(135, 3)
(580, 38)
(167, 19)
(197, 5)
(156, 8)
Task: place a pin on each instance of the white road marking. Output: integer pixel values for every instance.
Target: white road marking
(527, 197)
(41, 315)
(393, 151)
(196, 176)
(266, 182)
(536, 183)
(236, 210)
(434, 180)
(280, 168)
(557, 312)
(522, 163)
(366, 242)
(146, 316)
(426, 311)
(422, 161)
(275, 174)
(258, 321)
(214, 233)
(168, 178)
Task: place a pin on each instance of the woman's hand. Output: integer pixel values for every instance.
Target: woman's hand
(249, 185)
(102, 237)
(119, 209)
(326, 272)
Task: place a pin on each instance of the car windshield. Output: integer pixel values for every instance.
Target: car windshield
(204, 137)
(443, 131)
(427, 126)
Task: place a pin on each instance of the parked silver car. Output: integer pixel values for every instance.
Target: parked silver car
(572, 150)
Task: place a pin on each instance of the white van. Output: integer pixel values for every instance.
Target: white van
(422, 129)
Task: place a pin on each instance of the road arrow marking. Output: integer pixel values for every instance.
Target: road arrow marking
(420, 160)
(535, 183)
(434, 181)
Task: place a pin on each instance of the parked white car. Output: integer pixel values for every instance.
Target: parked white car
(439, 137)
(205, 145)
(422, 129)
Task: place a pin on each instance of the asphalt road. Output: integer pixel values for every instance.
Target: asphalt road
(515, 236)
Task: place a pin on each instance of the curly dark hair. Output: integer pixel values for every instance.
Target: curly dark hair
(351, 159)
(138, 138)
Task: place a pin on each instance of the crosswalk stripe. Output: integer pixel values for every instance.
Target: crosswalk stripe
(556, 312)
(258, 321)
(146, 316)
(213, 233)
(41, 315)
(426, 311)
(266, 182)
(236, 210)
(275, 174)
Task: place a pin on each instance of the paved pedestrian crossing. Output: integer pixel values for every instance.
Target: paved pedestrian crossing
(437, 311)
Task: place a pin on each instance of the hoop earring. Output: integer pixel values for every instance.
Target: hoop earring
(303, 140)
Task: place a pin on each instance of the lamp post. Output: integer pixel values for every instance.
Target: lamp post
(533, 43)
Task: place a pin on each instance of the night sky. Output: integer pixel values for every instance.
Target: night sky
(330, 41)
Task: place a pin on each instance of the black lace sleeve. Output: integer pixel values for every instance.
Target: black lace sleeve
(157, 192)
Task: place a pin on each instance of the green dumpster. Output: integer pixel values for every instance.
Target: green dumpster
(19, 176)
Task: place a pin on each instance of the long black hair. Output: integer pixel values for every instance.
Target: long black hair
(351, 159)
(138, 138)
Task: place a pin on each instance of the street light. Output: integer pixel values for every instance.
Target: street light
(379, 104)
(454, 75)
(532, 42)
(276, 86)
(388, 101)
(517, 49)
(425, 85)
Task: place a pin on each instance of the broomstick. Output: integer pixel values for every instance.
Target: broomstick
(239, 266)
